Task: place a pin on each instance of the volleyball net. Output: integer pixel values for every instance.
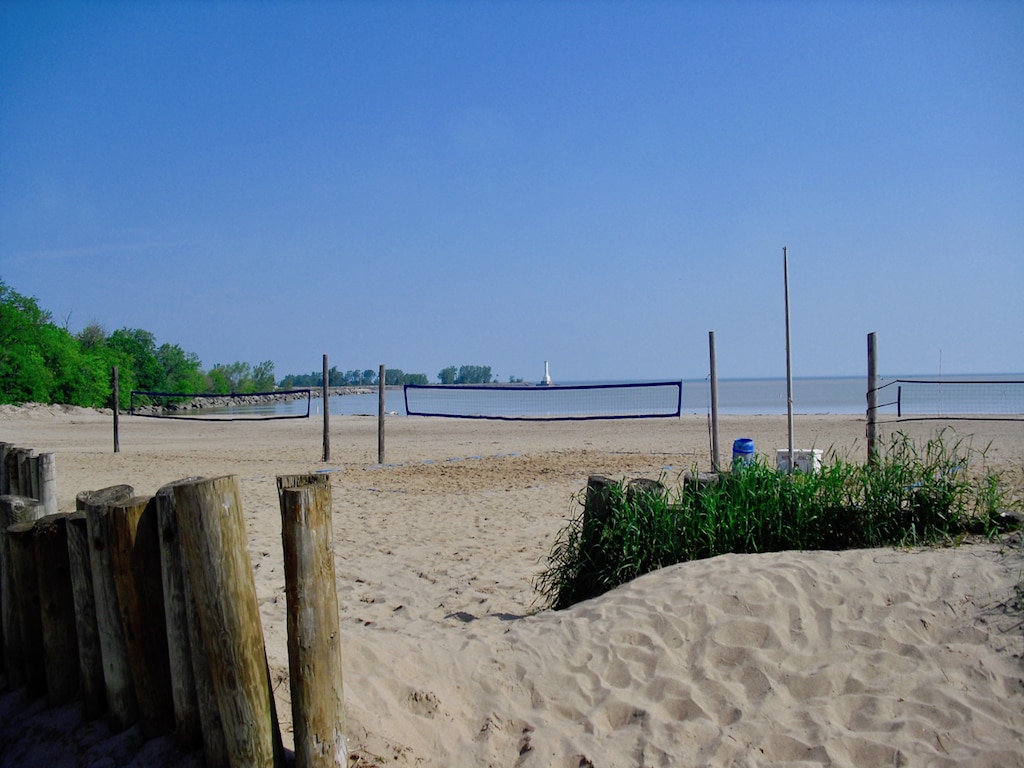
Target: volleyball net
(252, 406)
(645, 400)
(926, 399)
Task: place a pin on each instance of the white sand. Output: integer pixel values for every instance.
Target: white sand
(871, 657)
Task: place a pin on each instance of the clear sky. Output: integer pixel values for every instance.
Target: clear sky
(597, 184)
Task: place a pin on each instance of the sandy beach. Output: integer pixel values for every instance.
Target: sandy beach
(859, 658)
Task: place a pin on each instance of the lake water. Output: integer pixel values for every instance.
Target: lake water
(826, 395)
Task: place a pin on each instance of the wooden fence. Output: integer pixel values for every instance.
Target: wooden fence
(145, 608)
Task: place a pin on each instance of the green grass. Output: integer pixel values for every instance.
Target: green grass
(913, 495)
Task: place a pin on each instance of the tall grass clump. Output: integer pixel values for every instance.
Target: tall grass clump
(912, 495)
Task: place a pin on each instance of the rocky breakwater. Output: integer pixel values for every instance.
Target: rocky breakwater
(219, 401)
(206, 402)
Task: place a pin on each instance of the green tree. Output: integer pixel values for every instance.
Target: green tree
(448, 375)
(226, 379)
(93, 336)
(474, 374)
(140, 368)
(80, 376)
(240, 378)
(181, 370)
(262, 378)
(23, 373)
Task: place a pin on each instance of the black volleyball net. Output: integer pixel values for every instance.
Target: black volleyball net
(253, 406)
(644, 400)
(926, 399)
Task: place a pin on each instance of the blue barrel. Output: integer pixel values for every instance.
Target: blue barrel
(742, 452)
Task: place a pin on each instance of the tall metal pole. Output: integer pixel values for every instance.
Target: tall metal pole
(327, 417)
(380, 413)
(715, 453)
(789, 359)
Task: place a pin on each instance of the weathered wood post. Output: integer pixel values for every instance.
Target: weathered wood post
(188, 721)
(381, 394)
(872, 414)
(11, 485)
(23, 471)
(5, 488)
(32, 470)
(133, 539)
(314, 642)
(57, 606)
(215, 547)
(596, 508)
(21, 548)
(13, 509)
(4, 447)
(595, 505)
(116, 407)
(715, 452)
(122, 704)
(48, 482)
(641, 487)
(90, 658)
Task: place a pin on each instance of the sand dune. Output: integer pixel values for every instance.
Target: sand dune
(861, 658)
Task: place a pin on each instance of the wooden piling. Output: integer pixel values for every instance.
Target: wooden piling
(122, 704)
(595, 505)
(215, 546)
(11, 486)
(13, 509)
(314, 643)
(21, 548)
(5, 488)
(32, 471)
(47, 474)
(4, 448)
(23, 472)
(179, 607)
(90, 658)
(132, 536)
(57, 607)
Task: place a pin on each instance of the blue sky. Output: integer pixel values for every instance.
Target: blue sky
(594, 184)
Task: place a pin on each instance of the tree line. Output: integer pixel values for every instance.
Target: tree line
(466, 374)
(42, 362)
(45, 363)
(354, 378)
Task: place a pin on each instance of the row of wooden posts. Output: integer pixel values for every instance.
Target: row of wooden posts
(145, 609)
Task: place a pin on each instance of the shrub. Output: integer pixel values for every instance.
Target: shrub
(910, 496)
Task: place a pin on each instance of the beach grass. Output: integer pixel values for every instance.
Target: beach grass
(913, 495)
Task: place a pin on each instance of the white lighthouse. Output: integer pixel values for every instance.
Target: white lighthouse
(547, 376)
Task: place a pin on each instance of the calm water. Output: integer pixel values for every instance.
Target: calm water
(829, 395)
